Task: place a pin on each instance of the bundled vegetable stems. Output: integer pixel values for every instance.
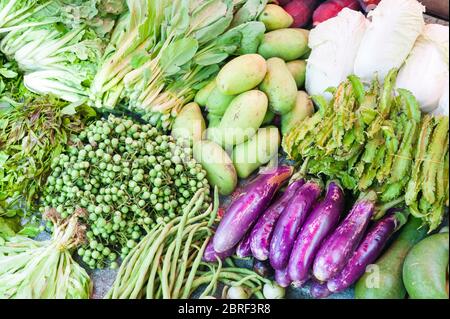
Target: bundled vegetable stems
(45, 269)
(162, 57)
(367, 139)
(165, 262)
(168, 264)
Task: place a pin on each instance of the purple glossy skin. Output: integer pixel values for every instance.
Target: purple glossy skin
(210, 255)
(340, 245)
(243, 249)
(282, 277)
(322, 220)
(319, 290)
(290, 222)
(248, 206)
(263, 229)
(367, 252)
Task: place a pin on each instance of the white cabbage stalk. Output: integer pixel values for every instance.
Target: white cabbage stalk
(61, 83)
(442, 109)
(395, 26)
(426, 69)
(334, 45)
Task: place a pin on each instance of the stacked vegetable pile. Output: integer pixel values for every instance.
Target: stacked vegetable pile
(242, 102)
(300, 234)
(376, 140)
(89, 90)
(128, 177)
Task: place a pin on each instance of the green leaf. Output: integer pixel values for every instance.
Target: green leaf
(177, 54)
(30, 231)
(210, 58)
(252, 35)
(139, 59)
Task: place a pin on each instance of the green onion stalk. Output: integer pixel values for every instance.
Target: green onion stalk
(32, 269)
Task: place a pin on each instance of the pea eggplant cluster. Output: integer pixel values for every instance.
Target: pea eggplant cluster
(303, 233)
(129, 177)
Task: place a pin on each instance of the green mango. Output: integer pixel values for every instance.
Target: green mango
(202, 95)
(275, 17)
(280, 86)
(241, 74)
(241, 120)
(257, 151)
(303, 108)
(189, 124)
(218, 102)
(298, 71)
(219, 168)
(287, 44)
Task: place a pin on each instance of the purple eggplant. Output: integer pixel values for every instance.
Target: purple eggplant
(336, 250)
(319, 290)
(248, 206)
(262, 268)
(282, 277)
(263, 229)
(322, 220)
(290, 222)
(367, 252)
(210, 255)
(243, 248)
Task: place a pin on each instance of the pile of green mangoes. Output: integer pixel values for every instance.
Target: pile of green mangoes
(241, 104)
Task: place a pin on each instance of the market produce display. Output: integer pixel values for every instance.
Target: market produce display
(232, 149)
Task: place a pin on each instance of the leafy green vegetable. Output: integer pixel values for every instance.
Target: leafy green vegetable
(32, 134)
(56, 60)
(158, 60)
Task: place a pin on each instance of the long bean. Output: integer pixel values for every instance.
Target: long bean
(151, 279)
(189, 283)
(184, 263)
(181, 227)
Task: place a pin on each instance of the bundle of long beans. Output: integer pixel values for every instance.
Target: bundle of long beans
(368, 140)
(168, 264)
(165, 262)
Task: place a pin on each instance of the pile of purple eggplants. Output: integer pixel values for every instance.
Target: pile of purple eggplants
(303, 232)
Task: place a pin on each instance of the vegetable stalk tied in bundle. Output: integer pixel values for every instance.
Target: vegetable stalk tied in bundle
(45, 269)
(167, 260)
(168, 50)
(376, 139)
